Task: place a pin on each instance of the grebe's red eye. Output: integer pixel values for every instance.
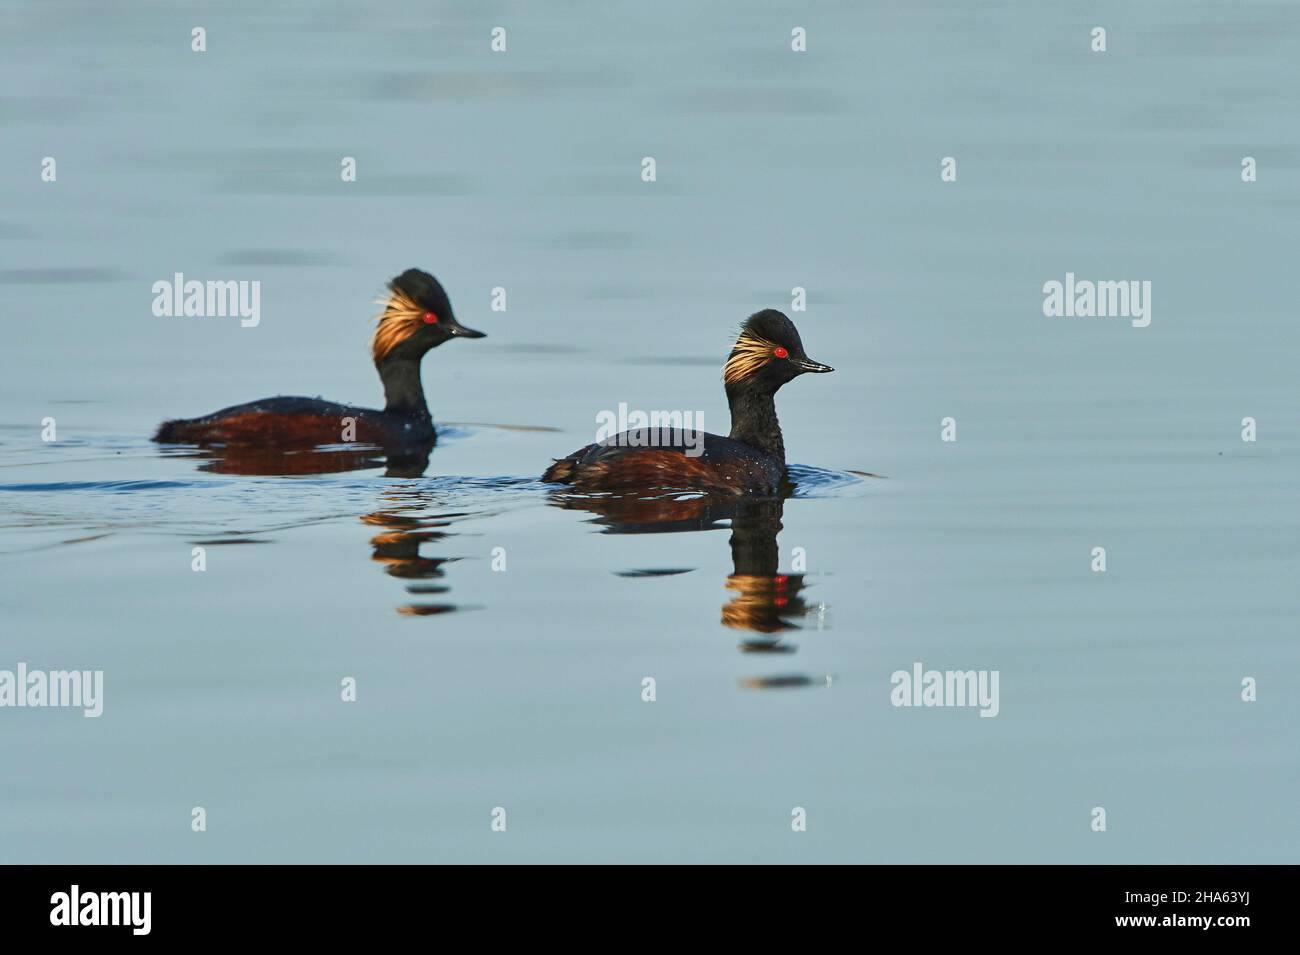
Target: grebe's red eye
(781, 352)
(430, 318)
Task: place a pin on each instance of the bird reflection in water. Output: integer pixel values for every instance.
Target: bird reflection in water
(332, 459)
(765, 604)
(406, 525)
(397, 547)
(411, 462)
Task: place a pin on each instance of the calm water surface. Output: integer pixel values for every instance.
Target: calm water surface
(771, 631)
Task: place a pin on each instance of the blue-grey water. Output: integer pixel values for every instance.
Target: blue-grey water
(512, 678)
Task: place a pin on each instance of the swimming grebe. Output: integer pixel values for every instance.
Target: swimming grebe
(417, 317)
(750, 460)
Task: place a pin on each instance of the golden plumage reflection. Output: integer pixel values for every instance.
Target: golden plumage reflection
(406, 528)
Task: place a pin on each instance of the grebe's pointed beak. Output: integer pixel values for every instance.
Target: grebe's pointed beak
(460, 331)
(808, 365)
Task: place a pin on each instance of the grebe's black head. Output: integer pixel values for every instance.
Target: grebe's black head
(417, 316)
(767, 354)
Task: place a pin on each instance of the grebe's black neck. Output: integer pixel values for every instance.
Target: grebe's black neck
(403, 392)
(753, 419)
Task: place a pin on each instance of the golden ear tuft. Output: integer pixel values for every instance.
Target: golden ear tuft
(400, 320)
(750, 354)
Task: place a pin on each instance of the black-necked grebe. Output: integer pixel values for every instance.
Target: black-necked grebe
(417, 317)
(750, 460)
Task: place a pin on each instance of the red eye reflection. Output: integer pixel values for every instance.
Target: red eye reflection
(781, 352)
(430, 318)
